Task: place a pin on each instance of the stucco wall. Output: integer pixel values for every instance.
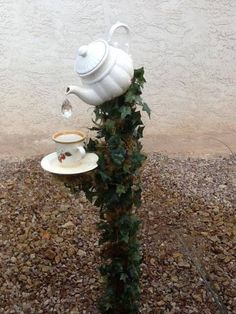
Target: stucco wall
(186, 46)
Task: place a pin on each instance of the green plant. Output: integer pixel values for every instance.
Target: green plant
(116, 189)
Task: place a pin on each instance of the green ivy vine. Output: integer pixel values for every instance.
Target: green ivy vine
(115, 188)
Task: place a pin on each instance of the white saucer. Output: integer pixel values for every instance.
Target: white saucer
(50, 163)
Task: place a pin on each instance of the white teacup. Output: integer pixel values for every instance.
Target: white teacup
(69, 147)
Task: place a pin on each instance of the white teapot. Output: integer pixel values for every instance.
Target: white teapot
(105, 70)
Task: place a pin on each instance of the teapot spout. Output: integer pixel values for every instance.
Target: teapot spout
(88, 95)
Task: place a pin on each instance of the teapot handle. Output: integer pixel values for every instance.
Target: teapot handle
(114, 28)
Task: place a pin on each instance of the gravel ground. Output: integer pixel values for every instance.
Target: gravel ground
(49, 249)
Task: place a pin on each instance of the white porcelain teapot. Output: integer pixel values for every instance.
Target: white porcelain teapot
(105, 70)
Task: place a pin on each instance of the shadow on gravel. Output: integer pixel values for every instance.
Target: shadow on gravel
(189, 240)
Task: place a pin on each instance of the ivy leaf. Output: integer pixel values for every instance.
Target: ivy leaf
(91, 146)
(137, 198)
(139, 132)
(147, 109)
(114, 141)
(137, 159)
(139, 76)
(125, 111)
(125, 237)
(136, 119)
(95, 128)
(109, 125)
(104, 176)
(133, 94)
(118, 155)
(90, 195)
(120, 189)
(126, 168)
(110, 197)
(123, 277)
(108, 306)
(129, 97)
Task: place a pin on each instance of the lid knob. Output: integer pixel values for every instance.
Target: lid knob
(91, 56)
(83, 51)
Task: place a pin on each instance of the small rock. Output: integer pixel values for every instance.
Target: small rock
(64, 207)
(213, 238)
(68, 224)
(22, 278)
(184, 264)
(50, 254)
(228, 259)
(92, 280)
(59, 239)
(174, 278)
(46, 302)
(45, 269)
(155, 284)
(13, 259)
(26, 306)
(57, 259)
(81, 253)
(177, 255)
(71, 251)
(197, 297)
(49, 291)
(161, 303)
(222, 186)
(74, 311)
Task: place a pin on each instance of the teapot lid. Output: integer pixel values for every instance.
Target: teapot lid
(90, 57)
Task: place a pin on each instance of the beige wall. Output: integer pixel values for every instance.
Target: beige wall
(186, 46)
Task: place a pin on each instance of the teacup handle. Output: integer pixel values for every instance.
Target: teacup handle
(114, 28)
(82, 151)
